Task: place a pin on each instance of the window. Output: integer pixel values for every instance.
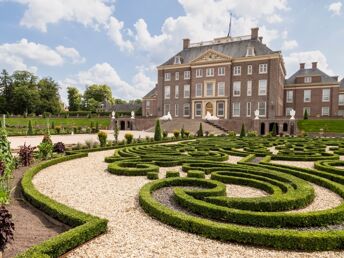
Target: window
(176, 91)
(167, 77)
(210, 89)
(249, 69)
(167, 92)
(287, 111)
(186, 91)
(249, 88)
(221, 71)
(198, 109)
(237, 70)
(325, 111)
(290, 96)
(263, 68)
(199, 73)
(262, 87)
(341, 100)
(308, 110)
(236, 109)
(177, 60)
(198, 92)
(220, 109)
(236, 89)
(220, 89)
(262, 109)
(326, 95)
(308, 79)
(147, 103)
(176, 76)
(250, 51)
(210, 72)
(340, 112)
(186, 109)
(166, 109)
(186, 75)
(307, 96)
(248, 109)
(176, 110)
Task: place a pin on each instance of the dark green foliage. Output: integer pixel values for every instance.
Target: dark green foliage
(172, 174)
(274, 130)
(242, 132)
(182, 132)
(157, 131)
(129, 138)
(30, 130)
(196, 174)
(176, 134)
(305, 115)
(200, 130)
(97, 127)
(52, 125)
(164, 134)
(6, 228)
(152, 175)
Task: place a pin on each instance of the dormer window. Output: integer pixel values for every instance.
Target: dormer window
(308, 79)
(250, 51)
(177, 60)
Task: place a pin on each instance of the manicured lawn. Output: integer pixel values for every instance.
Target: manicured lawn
(328, 125)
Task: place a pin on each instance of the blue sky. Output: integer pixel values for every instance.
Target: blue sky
(120, 43)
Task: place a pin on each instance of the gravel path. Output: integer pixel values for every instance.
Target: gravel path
(84, 185)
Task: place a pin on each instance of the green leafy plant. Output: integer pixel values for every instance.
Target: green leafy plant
(45, 150)
(102, 136)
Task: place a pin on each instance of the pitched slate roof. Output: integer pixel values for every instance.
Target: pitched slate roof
(325, 78)
(150, 94)
(233, 49)
(126, 107)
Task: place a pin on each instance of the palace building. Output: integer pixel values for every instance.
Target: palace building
(231, 77)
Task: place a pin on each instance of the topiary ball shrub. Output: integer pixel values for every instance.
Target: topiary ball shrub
(152, 175)
(102, 136)
(172, 174)
(176, 134)
(129, 138)
(59, 147)
(6, 228)
(196, 174)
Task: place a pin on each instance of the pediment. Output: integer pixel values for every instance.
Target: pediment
(211, 56)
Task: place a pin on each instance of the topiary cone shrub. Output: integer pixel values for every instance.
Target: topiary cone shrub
(200, 130)
(305, 115)
(157, 132)
(30, 130)
(6, 228)
(242, 132)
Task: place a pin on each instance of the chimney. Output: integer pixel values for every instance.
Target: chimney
(254, 33)
(314, 65)
(261, 39)
(302, 66)
(186, 43)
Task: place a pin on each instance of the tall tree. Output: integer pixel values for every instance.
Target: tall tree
(49, 96)
(74, 99)
(6, 91)
(99, 94)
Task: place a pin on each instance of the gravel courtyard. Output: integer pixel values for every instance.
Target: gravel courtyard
(85, 185)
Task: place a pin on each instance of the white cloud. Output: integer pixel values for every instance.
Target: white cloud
(293, 60)
(104, 73)
(289, 44)
(335, 8)
(274, 19)
(14, 56)
(70, 53)
(40, 13)
(115, 33)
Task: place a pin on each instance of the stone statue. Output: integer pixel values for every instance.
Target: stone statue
(209, 117)
(256, 114)
(292, 114)
(113, 114)
(132, 115)
(167, 117)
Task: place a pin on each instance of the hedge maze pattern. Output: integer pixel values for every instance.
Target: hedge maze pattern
(199, 204)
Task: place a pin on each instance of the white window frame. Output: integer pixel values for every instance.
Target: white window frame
(166, 110)
(198, 107)
(167, 77)
(308, 79)
(249, 89)
(249, 69)
(187, 75)
(248, 109)
(210, 72)
(324, 97)
(186, 105)
(234, 114)
(290, 96)
(307, 100)
(199, 73)
(218, 109)
(259, 109)
(250, 51)
(325, 113)
(176, 110)
(198, 86)
(237, 70)
(167, 89)
(212, 89)
(262, 91)
(308, 110)
(341, 99)
(221, 71)
(263, 68)
(287, 111)
(186, 91)
(236, 84)
(176, 92)
(176, 76)
(221, 86)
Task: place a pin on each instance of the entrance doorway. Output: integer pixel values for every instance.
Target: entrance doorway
(262, 129)
(122, 125)
(209, 108)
